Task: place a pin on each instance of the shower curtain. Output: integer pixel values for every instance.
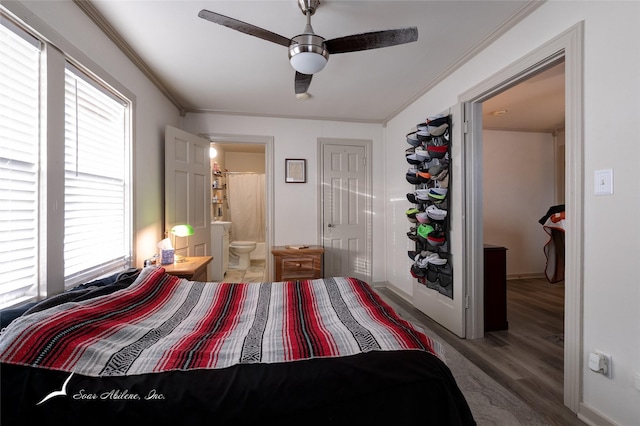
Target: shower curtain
(246, 196)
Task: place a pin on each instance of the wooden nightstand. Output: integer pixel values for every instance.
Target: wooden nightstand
(193, 268)
(298, 264)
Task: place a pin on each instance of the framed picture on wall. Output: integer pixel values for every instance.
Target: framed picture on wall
(295, 170)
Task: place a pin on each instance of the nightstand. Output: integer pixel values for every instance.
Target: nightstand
(298, 264)
(192, 268)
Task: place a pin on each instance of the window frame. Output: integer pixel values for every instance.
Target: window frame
(106, 268)
(27, 154)
(56, 52)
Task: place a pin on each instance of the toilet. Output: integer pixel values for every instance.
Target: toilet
(241, 250)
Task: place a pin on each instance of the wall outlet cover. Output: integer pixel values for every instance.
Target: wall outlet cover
(603, 182)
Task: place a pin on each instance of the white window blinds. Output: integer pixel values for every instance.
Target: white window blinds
(97, 201)
(19, 163)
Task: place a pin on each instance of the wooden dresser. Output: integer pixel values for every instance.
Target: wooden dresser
(297, 264)
(495, 288)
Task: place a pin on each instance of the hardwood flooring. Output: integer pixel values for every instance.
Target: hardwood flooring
(528, 358)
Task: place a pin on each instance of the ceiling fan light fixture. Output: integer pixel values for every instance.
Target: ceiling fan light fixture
(308, 62)
(307, 54)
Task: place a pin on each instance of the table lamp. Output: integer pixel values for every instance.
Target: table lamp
(184, 230)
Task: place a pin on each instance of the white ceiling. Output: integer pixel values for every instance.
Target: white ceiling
(203, 66)
(536, 104)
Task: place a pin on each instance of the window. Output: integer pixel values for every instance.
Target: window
(19, 163)
(96, 207)
(94, 236)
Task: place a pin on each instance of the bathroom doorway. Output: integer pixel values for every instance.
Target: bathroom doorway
(242, 201)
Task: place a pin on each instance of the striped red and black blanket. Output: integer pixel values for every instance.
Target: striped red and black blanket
(163, 323)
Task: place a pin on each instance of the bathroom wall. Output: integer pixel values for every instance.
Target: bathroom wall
(244, 161)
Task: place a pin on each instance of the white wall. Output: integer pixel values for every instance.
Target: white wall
(612, 223)
(71, 30)
(519, 187)
(296, 205)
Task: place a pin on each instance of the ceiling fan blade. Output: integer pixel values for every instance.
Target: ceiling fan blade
(252, 30)
(302, 82)
(372, 40)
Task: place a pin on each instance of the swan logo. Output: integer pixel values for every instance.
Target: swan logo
(113, 394)
(61, 392)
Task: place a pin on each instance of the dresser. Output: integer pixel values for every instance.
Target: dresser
(192, 268)
(495, 288)
(297, 263)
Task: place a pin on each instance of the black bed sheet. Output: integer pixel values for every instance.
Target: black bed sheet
(392, 387)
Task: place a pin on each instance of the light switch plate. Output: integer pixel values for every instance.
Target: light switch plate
(603, 182)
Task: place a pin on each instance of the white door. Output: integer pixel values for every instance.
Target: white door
(345, 211)
(187, 178)
(450, 312)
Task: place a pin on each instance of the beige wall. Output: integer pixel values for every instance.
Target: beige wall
(245, 162)
(519, 187)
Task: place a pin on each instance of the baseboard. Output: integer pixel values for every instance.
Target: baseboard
(532, 275)
(592, 417)
(401, 293)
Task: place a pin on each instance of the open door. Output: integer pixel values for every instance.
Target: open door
(187, 190)
(450, 312)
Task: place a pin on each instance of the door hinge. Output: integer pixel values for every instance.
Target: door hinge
(466, 301)
(465, 127)
(364, 161)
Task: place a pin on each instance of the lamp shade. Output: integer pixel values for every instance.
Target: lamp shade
(182, 230)
(307, 53)
(308, 62)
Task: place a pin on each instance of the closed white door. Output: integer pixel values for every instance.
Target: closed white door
(188, 190)
(345, 212)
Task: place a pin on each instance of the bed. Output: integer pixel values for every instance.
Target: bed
(164, 350)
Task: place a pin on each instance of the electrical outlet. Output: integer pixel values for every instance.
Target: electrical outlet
(607, 360)
(600, 363)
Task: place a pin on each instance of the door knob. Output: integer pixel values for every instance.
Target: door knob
(330, 225)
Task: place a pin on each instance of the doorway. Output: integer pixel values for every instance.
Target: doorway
(566, 47)
(247, 149)
(523, 177)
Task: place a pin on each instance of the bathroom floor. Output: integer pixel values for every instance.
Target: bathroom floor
(254, 274)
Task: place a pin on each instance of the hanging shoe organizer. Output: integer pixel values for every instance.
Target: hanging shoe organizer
(429, 157)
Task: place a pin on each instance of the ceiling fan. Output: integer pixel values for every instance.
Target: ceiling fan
(309, 52)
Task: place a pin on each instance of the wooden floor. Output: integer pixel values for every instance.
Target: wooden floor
(528, 358)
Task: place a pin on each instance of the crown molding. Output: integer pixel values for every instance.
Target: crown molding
(523, 12)
(89, 9)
